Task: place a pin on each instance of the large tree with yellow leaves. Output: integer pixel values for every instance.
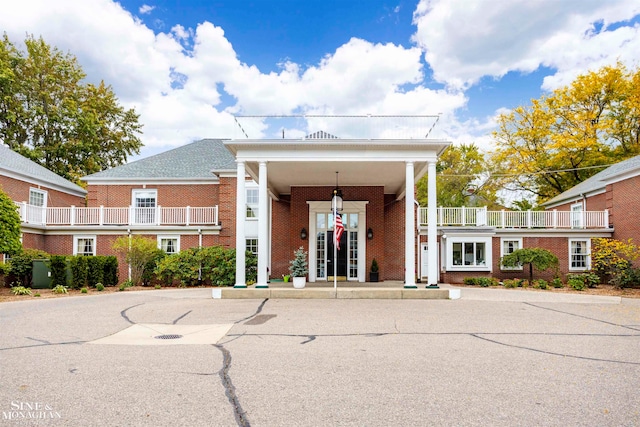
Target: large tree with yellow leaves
(570, 134)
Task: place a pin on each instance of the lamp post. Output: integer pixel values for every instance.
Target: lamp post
(336, 205)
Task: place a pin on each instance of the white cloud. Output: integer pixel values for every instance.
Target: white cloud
(464, 41)
(145, 9)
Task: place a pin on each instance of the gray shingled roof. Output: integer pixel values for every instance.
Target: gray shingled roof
(20, 165)
(191, 161)
(597, 181)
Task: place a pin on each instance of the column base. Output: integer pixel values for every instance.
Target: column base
(432, 287)
(240, 286)
(261, 286)
(410, 287)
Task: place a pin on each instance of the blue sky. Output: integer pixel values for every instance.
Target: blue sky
(189, 66)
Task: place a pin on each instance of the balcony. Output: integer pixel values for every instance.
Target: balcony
(481, 217)
(99, 216)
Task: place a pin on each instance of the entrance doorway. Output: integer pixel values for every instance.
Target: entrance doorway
(341, 257)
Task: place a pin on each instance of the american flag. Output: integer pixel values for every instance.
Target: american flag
(339, 230)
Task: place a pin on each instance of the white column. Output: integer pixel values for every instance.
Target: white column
(432, 227)
(241, 212)
(263, 227)
(409, 229)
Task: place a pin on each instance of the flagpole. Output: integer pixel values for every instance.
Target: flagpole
(335, 251)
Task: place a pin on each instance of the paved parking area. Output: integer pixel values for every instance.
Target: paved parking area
(478, 360)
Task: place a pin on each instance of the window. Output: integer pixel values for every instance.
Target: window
(169, 244)
(37, 209)
(576, 215)
(252, 202)
(468, 253)
(579, 254)
(252, 245)
(144, 203)
(508, 246)
(84, 245)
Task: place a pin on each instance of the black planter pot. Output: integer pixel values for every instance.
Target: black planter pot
(373, 276)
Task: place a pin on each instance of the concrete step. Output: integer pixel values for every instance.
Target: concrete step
(331, 293)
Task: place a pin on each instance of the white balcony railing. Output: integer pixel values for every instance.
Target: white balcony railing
(481, 217)
(117, 216)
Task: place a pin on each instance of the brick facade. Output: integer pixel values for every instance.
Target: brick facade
(174, 195)
(18, 191)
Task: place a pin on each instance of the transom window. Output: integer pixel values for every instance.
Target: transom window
(169, 244)
(579, 257)
(84, 245)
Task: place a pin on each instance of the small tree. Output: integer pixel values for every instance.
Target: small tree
(299, 265)
(539, 258)
(9, 226)
(612, 260)
(137, 252)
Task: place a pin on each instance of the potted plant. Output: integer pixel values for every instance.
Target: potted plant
(299, 268)
(373, 273)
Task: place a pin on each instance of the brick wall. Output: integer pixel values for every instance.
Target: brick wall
(623, 202)
(394, 220)
(282, 237)
(174, 195)
(18, 191)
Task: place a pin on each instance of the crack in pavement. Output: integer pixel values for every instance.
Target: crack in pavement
(123, 313)
(181, 317)
(581, 316)
(230, 390)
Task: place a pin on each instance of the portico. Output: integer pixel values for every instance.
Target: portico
(378, 177)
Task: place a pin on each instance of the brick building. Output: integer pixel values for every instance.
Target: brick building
(189, 197)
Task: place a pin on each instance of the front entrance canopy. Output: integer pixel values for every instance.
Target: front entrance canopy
(280, 164)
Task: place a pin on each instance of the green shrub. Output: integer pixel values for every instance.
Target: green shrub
(99, 287)
(483, 282)
(576, 281)
(95, 270)
(158, 287)
(557, 283)
(137, 251)
(149, 273)
(629, 278)
(510, 283)
(58, 267)
(21, 265)
(540, 284)
(469, 281)
(78, 271)
(60, 290)
(20, 290)
(110, 272)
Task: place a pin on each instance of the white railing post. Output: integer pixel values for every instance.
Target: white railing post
(606, 218)
(529, 218)
(101, 215)
(158, 215)
(440, 215)
(188, 215)
(72, 215)
(464, 216)
(555, 218)
(130, 221)
(23, 212)
(502, 214)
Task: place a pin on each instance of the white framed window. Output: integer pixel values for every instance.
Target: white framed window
(576, 215)
(469, 253)
(37, 209)
(252, 245)
(252, 202)
(507, 246)
(579, 254)
(169, 244)
(84, 245)
(144, 203)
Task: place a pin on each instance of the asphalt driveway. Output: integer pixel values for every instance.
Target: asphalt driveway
(480, 360)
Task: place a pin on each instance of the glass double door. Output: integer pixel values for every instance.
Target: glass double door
(342, 262)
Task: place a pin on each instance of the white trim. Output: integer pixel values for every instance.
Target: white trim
(150, 181)
(176, 237)
(49, 185)
(44, 196)
(587, 254)
(76, 237)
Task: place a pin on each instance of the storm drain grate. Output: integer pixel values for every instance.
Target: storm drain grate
(168, 337)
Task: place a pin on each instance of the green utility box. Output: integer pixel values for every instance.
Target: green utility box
(41, 274)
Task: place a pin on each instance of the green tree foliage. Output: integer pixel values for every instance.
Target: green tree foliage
(570, 134)
(79, 270)
(541, 259)
(110, 275)
(49, 115)
(612, 260)
(459, 169)
(9, 226)
(137, 251)
(58, 266)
